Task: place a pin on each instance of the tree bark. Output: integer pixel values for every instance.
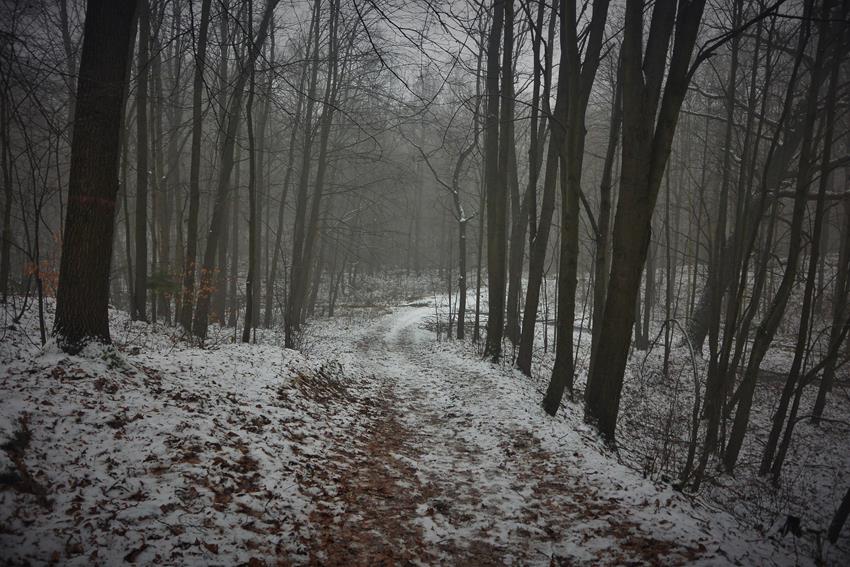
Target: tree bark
(290, 161)
(839, 519)
(539, 234)
(496, 194)
(603, 239)
(291, 322)
(140, 288)
(646, 147)
(187, 302)
(571, 152)
(83, 295)
(252, 217)
(298, 297)
(5, 163)
(199, 324)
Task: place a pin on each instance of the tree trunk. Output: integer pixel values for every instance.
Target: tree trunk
(495, 187)
(839, 519)
(187, 302)
(5, 163)
(82, 298)
(770, 323)
(139, 307)
(571, 152)
(264, 183)
(293, 314)
(717, 379)
(801, 351)
(252, 216)
(839, 310)
(199, 325)
(300, 286)
(224, 286)
(482, 195)
(461, 279)
(537, 256)
(646, 147)
(539, 229)
(603, 239)
(162, 192)
(290, 160)
(233, 300)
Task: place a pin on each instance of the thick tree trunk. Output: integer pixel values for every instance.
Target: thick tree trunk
(82, 298)
(647, 140)
(495, 187)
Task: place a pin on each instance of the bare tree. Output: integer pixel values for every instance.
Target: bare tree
(228, 143)
(187, 302)
(139, 306)
(495, 184)
(649, 123)
(83, 293)
(571, 154)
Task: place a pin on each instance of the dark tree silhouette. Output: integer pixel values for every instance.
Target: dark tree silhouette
(83, 293)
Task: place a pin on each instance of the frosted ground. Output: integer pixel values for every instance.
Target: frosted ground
(380, 444)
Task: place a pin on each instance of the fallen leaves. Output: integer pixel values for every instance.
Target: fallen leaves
(134, 553)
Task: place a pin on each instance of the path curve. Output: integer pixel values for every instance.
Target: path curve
(459, 465)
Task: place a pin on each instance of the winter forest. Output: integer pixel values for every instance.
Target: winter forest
(425, 282)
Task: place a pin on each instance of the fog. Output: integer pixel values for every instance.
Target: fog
(635, 214)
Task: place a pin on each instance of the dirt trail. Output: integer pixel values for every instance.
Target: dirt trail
(451, 470)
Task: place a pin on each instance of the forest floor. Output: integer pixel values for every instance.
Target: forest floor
(382, 446)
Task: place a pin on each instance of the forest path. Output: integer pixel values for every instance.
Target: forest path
(459, 466)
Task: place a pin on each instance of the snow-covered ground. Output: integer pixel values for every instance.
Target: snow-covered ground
(381, 446)
(654, 428)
